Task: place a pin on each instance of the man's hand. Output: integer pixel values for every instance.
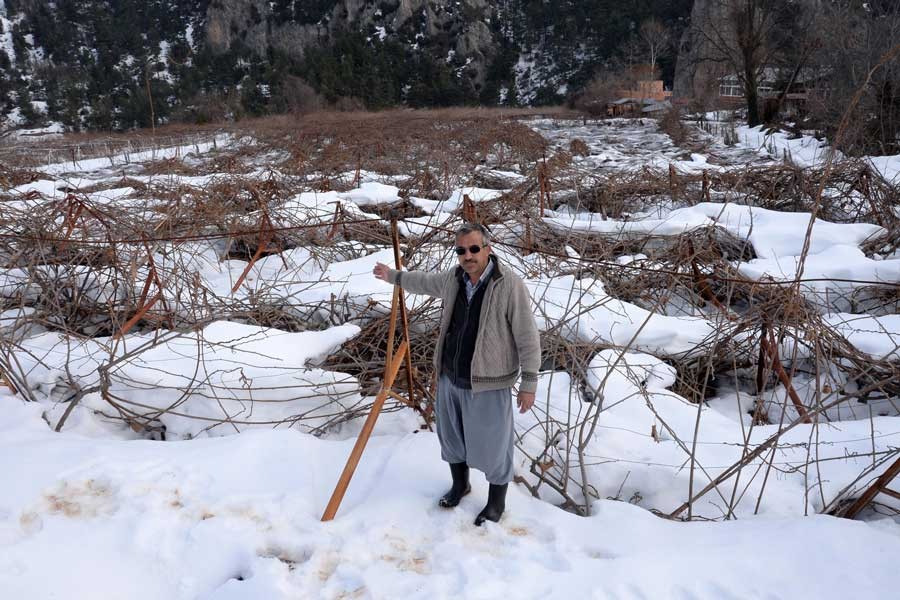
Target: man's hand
(525, 401)
(381, 271)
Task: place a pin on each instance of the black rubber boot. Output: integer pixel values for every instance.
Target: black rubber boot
(461, 487)
(495, 506)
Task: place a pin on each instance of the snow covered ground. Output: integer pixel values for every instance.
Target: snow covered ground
(100, 511)
(238, 517)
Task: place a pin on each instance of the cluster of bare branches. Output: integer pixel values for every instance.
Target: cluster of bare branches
(130, 277)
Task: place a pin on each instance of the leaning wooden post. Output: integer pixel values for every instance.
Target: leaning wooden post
(673, 185)
(470, 215)
(4, 380)
(541, 190)
(528, 246)
(358, 448)
(265, 236)
(392, 367)
(880, 485)
(392, 327)
(772, 349)
(404, 319)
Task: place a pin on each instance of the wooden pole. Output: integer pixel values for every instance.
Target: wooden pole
(772, 349)
(265, 236)
(404, 319)
(527, 235)
(470, 215)
(672, 182)
(4, 380)
(392, 367)
(340, 489)
(880, 485)
(542, 181)
(392, 325)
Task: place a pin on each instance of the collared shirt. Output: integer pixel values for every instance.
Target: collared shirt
(471, 288)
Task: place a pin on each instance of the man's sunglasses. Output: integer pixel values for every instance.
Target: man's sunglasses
(460, 250)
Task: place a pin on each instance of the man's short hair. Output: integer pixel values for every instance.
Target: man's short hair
(470, 227)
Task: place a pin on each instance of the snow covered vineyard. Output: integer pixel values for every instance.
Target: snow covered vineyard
(720, 335)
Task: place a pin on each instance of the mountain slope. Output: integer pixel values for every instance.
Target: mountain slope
(99, 64)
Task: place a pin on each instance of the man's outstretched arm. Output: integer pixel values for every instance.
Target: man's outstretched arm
(417, 282)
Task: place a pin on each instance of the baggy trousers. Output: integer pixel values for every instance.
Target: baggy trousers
(477, 429)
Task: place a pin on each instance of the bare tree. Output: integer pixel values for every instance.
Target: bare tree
(606, 86)
(631, 51)
(656, 37)
(854, 55)
(746, 36)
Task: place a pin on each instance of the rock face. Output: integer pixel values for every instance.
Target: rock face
(229, 22)
(460, 26)
(695, 77)
(88, 63)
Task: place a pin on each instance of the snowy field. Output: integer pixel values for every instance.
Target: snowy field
(197, 448)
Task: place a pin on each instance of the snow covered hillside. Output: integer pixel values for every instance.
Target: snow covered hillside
(194, 336)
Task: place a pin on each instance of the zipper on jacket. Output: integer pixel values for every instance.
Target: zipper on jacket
(485, 306)
(459, 344)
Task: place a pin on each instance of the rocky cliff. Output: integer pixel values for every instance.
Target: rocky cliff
(98, 64)
(460, 27)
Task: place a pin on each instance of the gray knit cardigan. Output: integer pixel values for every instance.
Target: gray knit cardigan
(508, 337)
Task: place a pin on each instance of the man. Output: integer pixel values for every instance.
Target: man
(487, 333)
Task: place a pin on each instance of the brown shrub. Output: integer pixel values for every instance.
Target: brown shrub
(578, 148)
(670, 123)
(296, 96)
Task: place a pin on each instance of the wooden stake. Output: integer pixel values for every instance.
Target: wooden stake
(470, 215)
(527, 235)
(880, 485)
(76, 207)
(265, 236)
(138, 315)
(159, 286)
(341, 488)
(673, 182)
(761, 361)
(4, 380)
(404, 319)
(143, 305)
(543, 187)
(335, 221)
(772, 349)
(392, 326)
(392, 367)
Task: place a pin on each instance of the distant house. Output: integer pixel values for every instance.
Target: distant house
(652, 89)
(645, 84)
(646, 94)
(731, 90)
(771, 85)
(633, 107)
(623, 107)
